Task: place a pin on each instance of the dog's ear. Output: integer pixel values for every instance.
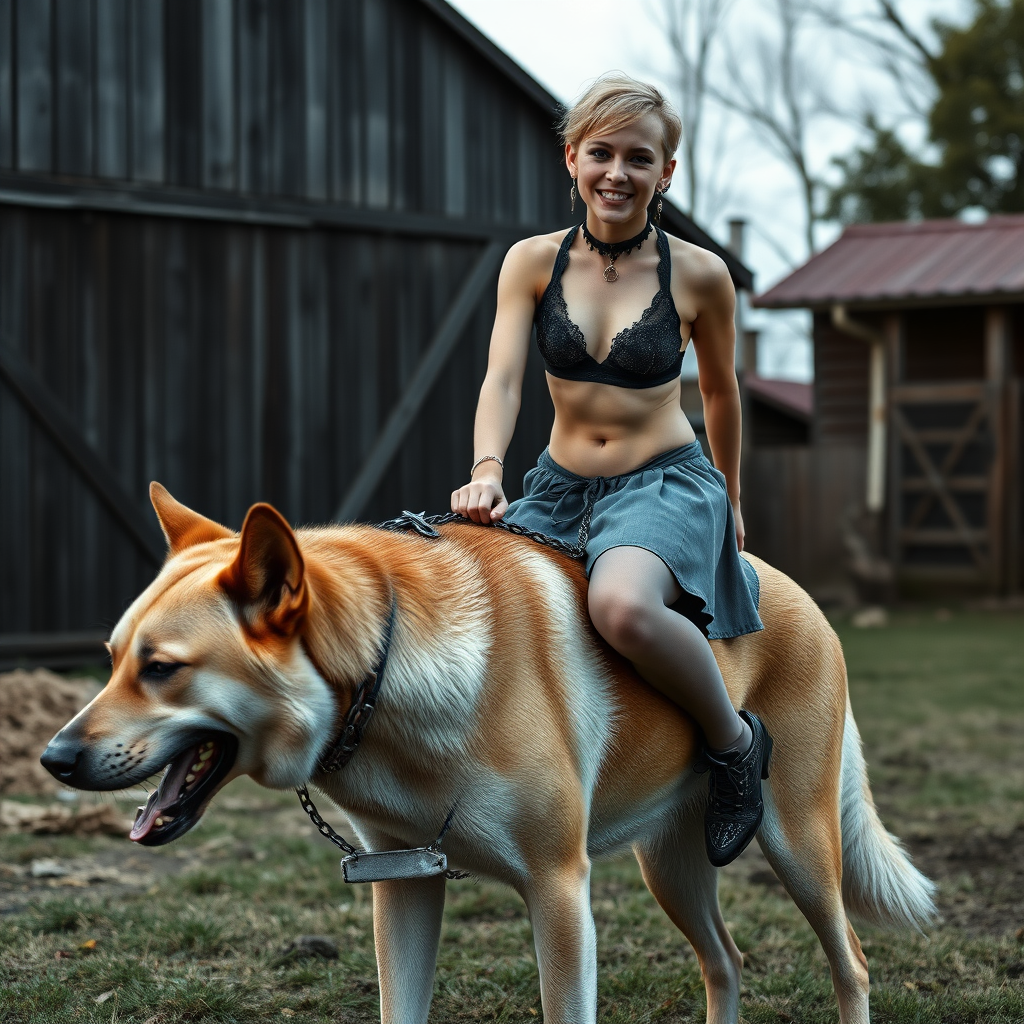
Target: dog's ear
(267, 577)
(182, 527)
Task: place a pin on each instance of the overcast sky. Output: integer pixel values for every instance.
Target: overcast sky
(564, 44)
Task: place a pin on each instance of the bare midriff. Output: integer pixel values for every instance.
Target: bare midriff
(603, 430)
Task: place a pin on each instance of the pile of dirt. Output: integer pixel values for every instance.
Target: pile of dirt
(33, 706)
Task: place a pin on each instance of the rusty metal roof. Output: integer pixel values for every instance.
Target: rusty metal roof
(905, 263)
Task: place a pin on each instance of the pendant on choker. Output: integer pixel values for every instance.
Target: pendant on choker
(613, 250)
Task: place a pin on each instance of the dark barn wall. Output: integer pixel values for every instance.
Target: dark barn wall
(371, 103)
(232, 359)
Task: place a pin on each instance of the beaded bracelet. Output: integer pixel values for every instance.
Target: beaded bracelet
(486, 458)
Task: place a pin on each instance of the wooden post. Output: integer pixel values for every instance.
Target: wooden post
(893, 328)
(996, 366)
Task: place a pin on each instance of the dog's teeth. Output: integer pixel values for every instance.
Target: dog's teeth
(206, 755)
(159, 822)
(190, 777)
(197, 766)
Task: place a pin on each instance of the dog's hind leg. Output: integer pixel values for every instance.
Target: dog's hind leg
(801, 840)
(558, 899)
(406, 929)
(676, 869)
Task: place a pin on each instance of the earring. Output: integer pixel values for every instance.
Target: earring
(572, 196)
(657, 209)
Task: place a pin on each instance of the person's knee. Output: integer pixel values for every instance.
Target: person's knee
(626, 620)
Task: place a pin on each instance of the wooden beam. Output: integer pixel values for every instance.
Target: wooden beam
(41, 405)
(51, 649)
(441, 346)
(152, 201)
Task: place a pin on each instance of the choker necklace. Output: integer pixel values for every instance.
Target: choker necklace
(613, 250)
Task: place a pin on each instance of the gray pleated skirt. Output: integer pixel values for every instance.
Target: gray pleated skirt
(675, 506)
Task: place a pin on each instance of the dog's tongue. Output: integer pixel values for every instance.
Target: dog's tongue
(165, 796)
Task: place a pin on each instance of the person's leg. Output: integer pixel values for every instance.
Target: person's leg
(631, 590)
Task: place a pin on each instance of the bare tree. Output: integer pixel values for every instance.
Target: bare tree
(690, 27)
(775, 88)
(889, 44)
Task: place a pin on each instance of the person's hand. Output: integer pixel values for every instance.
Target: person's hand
(740, 532)
(482, 500)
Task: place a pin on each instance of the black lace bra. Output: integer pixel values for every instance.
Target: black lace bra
(643, 355)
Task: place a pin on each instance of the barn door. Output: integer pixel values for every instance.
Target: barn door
(947, 481)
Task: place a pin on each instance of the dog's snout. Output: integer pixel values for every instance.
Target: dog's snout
(61, 759)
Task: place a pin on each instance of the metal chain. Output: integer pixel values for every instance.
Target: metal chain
(321, 826)
(423, 525)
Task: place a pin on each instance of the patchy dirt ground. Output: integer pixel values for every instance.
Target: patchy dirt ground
(33, 706)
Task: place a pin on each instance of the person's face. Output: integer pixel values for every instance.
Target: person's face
(617, 172)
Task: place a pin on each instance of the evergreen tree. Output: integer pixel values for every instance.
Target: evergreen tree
(976, 124)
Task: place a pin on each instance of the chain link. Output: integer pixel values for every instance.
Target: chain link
(423, 525)
(321, 826)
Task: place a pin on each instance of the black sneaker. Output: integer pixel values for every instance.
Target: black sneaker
(735, 808)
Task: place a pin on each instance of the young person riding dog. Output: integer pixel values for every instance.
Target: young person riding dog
(623, 475)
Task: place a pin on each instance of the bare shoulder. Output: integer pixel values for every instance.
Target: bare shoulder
(529, 262)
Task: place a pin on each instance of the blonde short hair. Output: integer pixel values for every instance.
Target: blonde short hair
(616, 101)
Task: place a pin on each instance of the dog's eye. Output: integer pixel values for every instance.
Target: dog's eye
(161, 669)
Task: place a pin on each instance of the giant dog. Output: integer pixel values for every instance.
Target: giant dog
(242, 656)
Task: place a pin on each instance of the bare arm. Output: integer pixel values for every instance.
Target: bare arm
(482, 499)
(714, 339)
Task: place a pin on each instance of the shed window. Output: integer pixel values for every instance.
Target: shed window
(945, 343)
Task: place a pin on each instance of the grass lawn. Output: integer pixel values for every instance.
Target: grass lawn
(192, 931)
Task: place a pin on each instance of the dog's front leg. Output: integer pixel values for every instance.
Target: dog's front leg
(558, 899)
(406, 929)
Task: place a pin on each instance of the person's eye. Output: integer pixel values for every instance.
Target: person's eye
(599, 154)
(643, 159)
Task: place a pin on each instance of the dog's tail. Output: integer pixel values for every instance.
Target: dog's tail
(880, 884)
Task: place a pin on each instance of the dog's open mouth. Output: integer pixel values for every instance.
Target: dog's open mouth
(187, 784)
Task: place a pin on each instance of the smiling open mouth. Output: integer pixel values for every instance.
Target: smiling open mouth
(187, 784)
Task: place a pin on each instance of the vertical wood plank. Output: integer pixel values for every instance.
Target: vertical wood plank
(16, 491)
(377, 54)
(34, 88)
(73, 53)
(431, 127)
(404, 71)
(6, 83)
(147, 91)
(182, 98)
(253, 86)
(528, 190)
(287, 98)
(454, 129)
(347, 88)
(316, 64)
(112, 47)
(218, 93)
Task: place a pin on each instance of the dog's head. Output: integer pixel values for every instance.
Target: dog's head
(210, 679)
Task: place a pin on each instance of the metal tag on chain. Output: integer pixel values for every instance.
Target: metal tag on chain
(388, 865)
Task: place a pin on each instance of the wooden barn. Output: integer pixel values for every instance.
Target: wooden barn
(247, 248)
(915, 457)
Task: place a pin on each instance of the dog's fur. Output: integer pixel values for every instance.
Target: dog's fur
(501, 697)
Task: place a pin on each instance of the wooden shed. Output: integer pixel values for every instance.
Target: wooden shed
(247, 248)
(918, 360)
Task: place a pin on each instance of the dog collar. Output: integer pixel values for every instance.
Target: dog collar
(340, 751)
